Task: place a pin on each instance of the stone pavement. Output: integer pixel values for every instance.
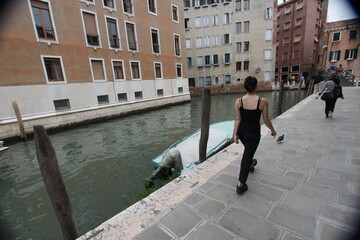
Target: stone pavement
(307, 187)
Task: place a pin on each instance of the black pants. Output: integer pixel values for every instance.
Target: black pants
(250, 143)
(330, 106)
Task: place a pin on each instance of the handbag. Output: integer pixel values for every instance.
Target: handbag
(327, 96)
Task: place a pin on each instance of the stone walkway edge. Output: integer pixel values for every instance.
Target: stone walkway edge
(307, 187)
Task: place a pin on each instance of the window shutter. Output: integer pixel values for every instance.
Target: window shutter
(330, 55)
(90, 23)
(230, 38)
(346, 54)
(338, 56)
(355, 53)
(39, 4)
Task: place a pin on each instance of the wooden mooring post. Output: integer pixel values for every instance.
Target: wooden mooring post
(54, 183)
(281, 94)
(19, 119)
(205, 124)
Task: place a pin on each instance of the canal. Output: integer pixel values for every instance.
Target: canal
(103, 164)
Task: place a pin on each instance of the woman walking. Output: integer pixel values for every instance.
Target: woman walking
(248, 110)
(332, 91)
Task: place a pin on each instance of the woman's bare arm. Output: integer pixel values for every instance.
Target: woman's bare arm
(237, 120)
(266, 118)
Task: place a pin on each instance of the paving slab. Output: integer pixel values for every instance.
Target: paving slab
(248, 226)
(210, 231)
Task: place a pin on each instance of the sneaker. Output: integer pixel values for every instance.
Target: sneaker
(330, 114)
(252, 167)
(241, 190)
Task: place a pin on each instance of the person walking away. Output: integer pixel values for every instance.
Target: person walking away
(248, 110)
(332, 91)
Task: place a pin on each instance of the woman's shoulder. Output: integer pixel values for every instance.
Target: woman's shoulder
(263, 100)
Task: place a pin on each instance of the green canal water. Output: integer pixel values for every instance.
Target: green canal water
(103, 164)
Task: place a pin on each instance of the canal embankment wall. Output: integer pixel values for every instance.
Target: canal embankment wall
(9, 128)
(133, 220)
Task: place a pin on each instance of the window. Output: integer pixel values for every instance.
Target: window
(238, 5)
(191, 82)
(246, 4)
(299, 5)
(196, 3)
(227, 58)
(128, 6)
(91, 28)
(135, 70)
(215, 20)
(216, 40)
(227, 79)
(207, 41)
(238, 27)
(202, 81)
(207, 60)
(189, 62)
(267, 76)
(298, 22)
(181, 89)
(286, 41)
(98, 69)
(226, 38)
(284, 69)
(296, 54)
(118, 69)
(269, 13)
(246, 46)
(351, 54)
(297, 38)
(287, 9)
(109, 3)
(122, 97)
(112, 30)
(268, 34)
(188, 43)
(287, 26)
(200, 61)
(62, 104)
(238, 47)
(227, 18)
(53, 69)
(42, 20)
(152, 6)
(295, 68)
(246, 26)
(177, 45)
(131, 36)
(175, 13)
(155, 40)
(353, 34)
(187, 3)
(334, 56)
(160, 92)
(178, 70)
(158, 70)
(199, 42)
(285, 56)
(208, 81)
(336, 37)
(268, 54)
(187, 23)
(238, 66)
(102, 99)
(216, 59)
(206, 21)
(138, 95)
(198, 22)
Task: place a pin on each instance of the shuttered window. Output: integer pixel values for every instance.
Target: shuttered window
(42, 19)
(98, 69)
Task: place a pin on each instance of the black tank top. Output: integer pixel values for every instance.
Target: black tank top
(250, 120)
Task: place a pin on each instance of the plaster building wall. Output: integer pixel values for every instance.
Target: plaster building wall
(298, 28)
(339, 44)
(232, 19)
(84, 68)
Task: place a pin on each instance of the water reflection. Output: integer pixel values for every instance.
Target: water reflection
(103, 165)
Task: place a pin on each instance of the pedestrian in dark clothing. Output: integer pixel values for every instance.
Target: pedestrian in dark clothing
(333, 89)
(248, 110)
